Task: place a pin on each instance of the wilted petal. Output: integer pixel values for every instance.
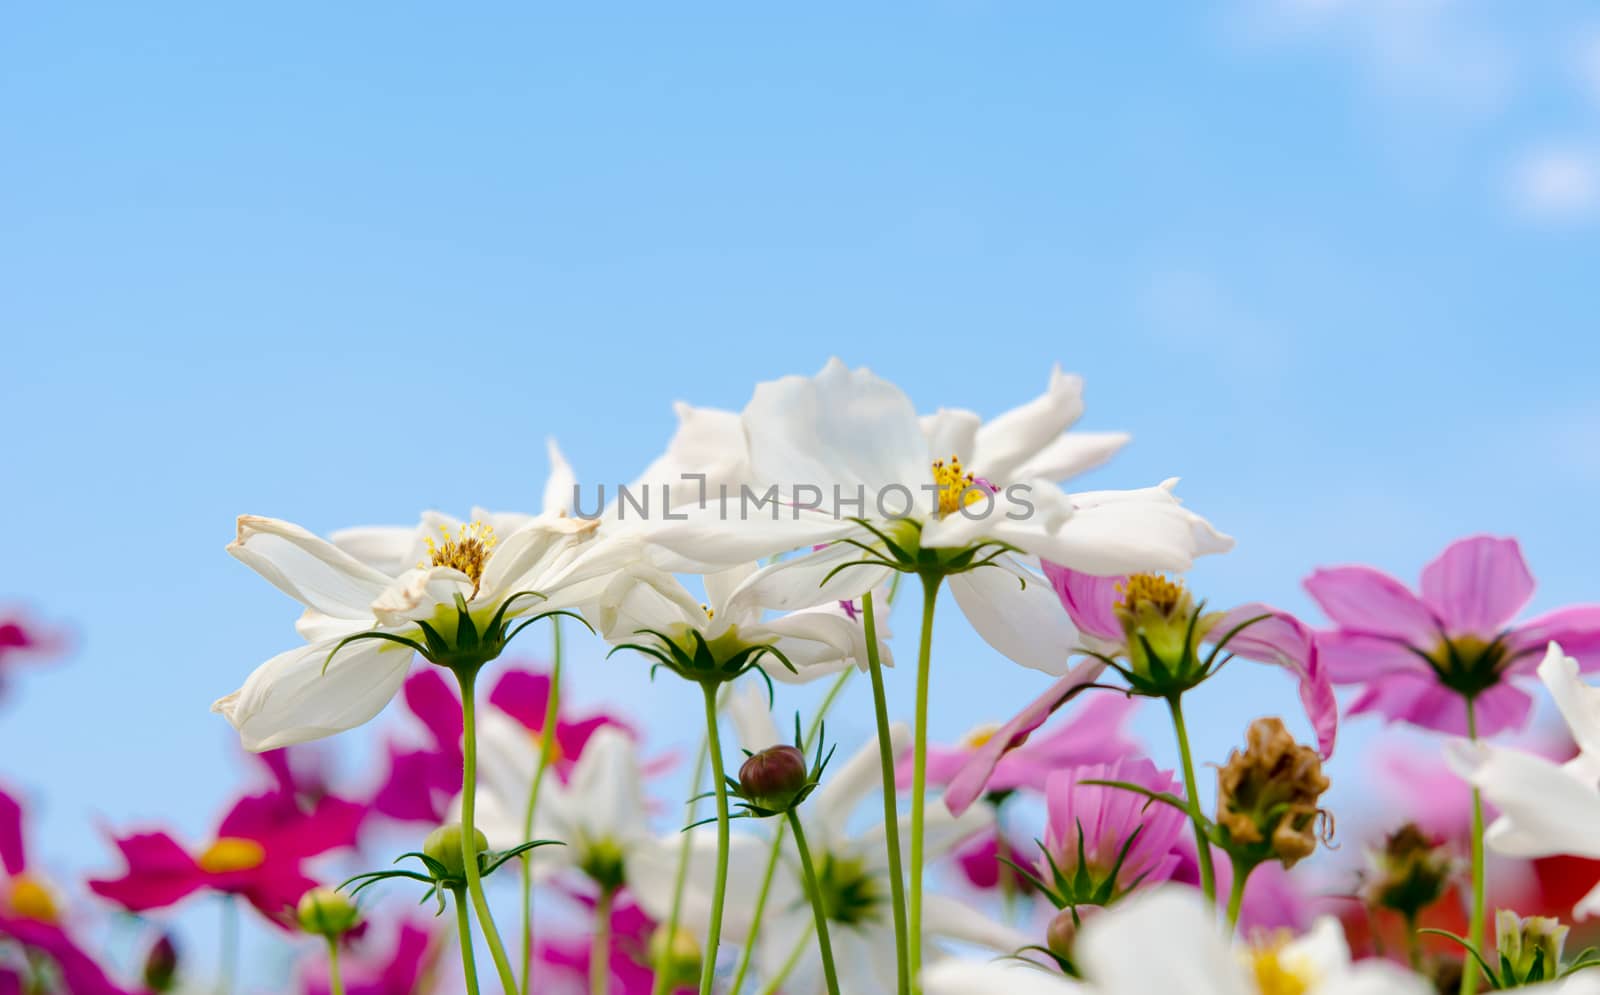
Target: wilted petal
(1283, 640)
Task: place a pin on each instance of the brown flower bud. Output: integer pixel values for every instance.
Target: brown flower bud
(161, 965)
(774, 778)
(1267, 794)
(1410, 872)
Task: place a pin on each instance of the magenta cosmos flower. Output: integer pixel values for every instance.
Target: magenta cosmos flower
(1276, 638)
(398, 969)
(257, 853)
(30, 915)
(23, 641)
(1119, 837)
(565, 961)
(423, 781)
(1420, 656)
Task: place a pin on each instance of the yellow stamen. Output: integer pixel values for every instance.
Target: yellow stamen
(957, 488)
(710, 612)
(231, 853)
(1275, 974)
(31, 899)
(1161, 593)
(467, 551)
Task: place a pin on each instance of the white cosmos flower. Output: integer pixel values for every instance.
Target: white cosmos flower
(1546, 808)
(946, 482)
(642, 601)
(302, 695)
(599, 814)
(1168, 941)
(851, 866)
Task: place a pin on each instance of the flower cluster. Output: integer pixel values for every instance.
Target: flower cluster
(559, 850)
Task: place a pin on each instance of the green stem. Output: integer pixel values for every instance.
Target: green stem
(469, 835)
(229, 967)
(747, 955)
(1413, 943)
(663, 965)
(818, 913)
(919, 774)
(1241, 873)
(1469, 978)
(469, 965)
(891, 817)
(1208, 873)
(600, 951)
(547, 734)
(335, 979)
(708, 966)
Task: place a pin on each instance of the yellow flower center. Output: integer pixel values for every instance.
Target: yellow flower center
(1160, 593)
(555, 755)
(710, 612)
(980, 736)
(957, 488)
(31, 899)
(1274, 974)
(467, 551)
(231, 853)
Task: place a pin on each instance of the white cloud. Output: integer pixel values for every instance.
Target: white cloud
(1557, 185)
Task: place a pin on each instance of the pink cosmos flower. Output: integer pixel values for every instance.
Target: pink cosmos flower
(422, 782)
(30, 916)
(25, 641)
(565, 961)
(370, 970)
(981, 864)
(1419, 655)
(258, 853)
(1278, 639)
(1094, 734)
(1117, 831)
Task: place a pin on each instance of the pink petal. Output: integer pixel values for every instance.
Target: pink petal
(1283, 640)
(1371, 601)
(1423, 702)
(12, 854)
(1356, 658)
(160, 873)
(523, 695)
(419, 781)
(1477, 585)
(1577, 629)
(966, 787)
(433, 701)
(78, 971)
(1088, 600)
(274, 889)
(1092, 735)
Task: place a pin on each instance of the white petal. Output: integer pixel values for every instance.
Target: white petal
(721, 588)
(1323, 951)
(308, 568)
(741, 530)
(842, 426)
(562, 484)
(995, 977)
(652, 874)
(709, 443)
(1589, 905)
(1118, 532)
(389, 549)
(1114, 947)
(952, 432)
(1578, 702)
(292, 699)
(1544, 811)
(1070, 455)
(802, 581)
(1019, 616)
(607, 789)
(845, 786)
(1375, 977)
(752, 719)
(946, 917)
(1006, 442)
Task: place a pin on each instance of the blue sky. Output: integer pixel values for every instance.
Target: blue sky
(1331, 262)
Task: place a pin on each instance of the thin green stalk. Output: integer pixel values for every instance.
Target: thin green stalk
(229, 962)
(1469, 978)
(1413, 943)
(777, 980)
(747, 955)
(547, 733)
(818, 913)
(1208, 873)
(469, 966)
(600, 951)
(919, 774)
(662, 966)
(891, 817)
(335, 979)
(708, 966)
(469, 854)
(1241, 874)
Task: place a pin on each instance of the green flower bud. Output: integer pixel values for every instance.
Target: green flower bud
(1411, 872)
(774, 778)
(161, 965)
(1529, 949)
(1062, 934)
(1163, 631)
(444, 846)
(677, 955)
(326, 912)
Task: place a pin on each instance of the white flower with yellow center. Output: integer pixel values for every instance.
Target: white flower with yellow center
(1167, 940)
(846, 460)
(462, 598)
